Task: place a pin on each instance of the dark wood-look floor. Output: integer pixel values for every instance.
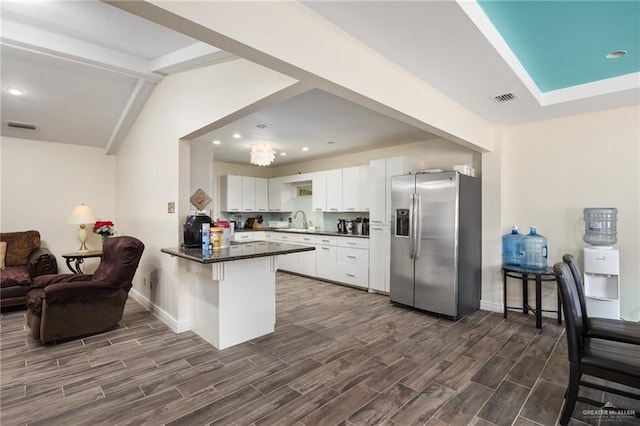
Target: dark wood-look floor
(339, 356)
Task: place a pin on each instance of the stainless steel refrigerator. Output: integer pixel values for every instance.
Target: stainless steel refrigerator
(436, 232)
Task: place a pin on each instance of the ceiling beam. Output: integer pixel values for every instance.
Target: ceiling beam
(40, 41)
(196, 55)
(130, 112)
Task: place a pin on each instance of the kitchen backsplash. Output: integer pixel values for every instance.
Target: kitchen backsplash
(325, 220)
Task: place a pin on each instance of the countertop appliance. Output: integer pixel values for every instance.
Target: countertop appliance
(436, 242)
(193, 230)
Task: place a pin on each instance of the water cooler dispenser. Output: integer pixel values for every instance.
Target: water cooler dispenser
(601, 263)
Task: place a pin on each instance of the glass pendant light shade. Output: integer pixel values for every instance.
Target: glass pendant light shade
(262, 154)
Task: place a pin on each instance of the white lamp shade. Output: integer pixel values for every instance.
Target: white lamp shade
(81, 214)
(262, 154)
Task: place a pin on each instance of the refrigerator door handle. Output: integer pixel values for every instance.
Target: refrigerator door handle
(411, 215)
(418, 226)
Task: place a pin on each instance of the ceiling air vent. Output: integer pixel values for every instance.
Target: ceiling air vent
(509, 96)
(18, 125)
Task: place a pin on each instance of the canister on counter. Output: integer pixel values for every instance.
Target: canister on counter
(216, 238)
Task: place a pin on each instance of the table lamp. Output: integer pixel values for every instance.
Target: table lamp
(81, 215)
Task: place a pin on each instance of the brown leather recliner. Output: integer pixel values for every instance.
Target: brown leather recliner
(64, 306)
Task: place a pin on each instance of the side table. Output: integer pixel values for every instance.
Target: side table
(526, 275)
(78, 257)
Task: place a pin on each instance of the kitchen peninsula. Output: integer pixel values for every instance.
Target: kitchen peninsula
(232, 290)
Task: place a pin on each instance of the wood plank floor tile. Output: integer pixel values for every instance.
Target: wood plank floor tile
(383, 406)
(544, 403)
(391, 374)
(298, 408)
(504, 405)
(464, 406)
(341, 407)
(494, 371)
(423, 406)
(338, 356)
(526, 371)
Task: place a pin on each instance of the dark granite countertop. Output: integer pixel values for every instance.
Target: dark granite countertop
(237, 251)
(302, 231)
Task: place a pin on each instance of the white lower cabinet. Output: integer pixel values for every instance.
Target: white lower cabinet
(307, 259)
(341, 259)
(379, 258)
(352, 261)
(326, 257)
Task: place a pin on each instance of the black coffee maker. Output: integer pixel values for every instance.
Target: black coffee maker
(193, 230)
(365, 226)
(342, 226)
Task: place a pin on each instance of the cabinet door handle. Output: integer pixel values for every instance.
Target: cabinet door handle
(351, 244)
(325, 248)
(377, 229)
(325, 241)
(351, 257)
(351, 275)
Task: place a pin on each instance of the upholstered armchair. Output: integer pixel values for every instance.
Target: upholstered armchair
(64, 306)
(21, 260)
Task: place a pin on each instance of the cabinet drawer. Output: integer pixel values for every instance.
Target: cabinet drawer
(353, 242)
(286, 238)
(326, 240)
(353, 275)
(307, 239)
(243, 236)
(350, 256)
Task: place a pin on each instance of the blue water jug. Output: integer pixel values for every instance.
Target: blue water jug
(511, 248)
(534, 247)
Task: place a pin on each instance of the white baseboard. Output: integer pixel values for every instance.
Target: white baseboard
(175, 325)
(491, 306)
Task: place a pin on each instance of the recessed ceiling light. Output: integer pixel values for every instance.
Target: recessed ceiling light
(331, 142)
(261, 127)
(237, 135)
(305, 148)
(14, 91)
(283, 154)
(217, 142)
(616, 54)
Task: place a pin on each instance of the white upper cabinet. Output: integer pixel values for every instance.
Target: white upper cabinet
(377, 191)
(380, 175)
(334, 190)
(351, 189)
(230, 193)
(262, 194)
(365, 181)
(248, 194)
(319, 189)
(275, 194)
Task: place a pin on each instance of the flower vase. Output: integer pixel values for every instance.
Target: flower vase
(105, 237)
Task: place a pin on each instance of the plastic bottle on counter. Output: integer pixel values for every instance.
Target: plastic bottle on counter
(216, 238)
(512, 248)
(534, 247)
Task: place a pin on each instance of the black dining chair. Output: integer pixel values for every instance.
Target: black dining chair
(610, 360)
(601, 328)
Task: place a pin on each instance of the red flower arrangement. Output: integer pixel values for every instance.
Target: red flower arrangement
(104, 228)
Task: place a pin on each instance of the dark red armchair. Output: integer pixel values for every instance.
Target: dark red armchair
(64, 306)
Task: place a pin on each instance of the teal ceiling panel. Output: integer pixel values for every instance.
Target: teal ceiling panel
(565, 43)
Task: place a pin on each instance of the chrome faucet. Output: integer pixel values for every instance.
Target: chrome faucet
(304, 218)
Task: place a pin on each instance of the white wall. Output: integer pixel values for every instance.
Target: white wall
(153, 169)
(555, 168)
(43, 181)
(436, 153)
